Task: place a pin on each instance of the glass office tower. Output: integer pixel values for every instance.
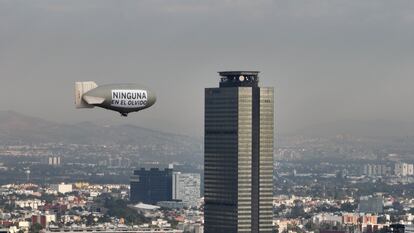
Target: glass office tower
(238, 160)
(151, 186)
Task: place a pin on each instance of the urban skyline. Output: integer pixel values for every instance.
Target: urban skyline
(324, 143)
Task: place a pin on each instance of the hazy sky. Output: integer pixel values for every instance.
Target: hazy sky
(328, 60)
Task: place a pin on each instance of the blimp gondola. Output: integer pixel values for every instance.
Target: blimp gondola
(122, 98)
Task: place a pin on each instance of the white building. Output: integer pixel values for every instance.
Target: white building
(62, 188)
(186, 187)
(54, 161)
(376, 170)
(189, 226)
(34, 204)
(403, 169)
(327, 218)
(43, 219)
(198, 228)
(410, 169)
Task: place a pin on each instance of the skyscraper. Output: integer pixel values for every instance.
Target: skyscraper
(151, 186)
(186, 187)
(238, 161)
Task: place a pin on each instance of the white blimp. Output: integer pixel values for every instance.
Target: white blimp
(123, 98)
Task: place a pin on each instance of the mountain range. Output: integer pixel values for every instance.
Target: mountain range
(375, 129)
(16, 128)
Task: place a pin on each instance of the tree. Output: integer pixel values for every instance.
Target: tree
(310, 226)
(276, 229)
(36, 228)
(90, 220)
(119, 208)
(297, 211)
(348, 207)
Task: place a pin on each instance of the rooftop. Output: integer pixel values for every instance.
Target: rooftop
(239, 78)
(238, 73)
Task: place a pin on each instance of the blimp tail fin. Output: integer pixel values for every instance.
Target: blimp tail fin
(80, 89)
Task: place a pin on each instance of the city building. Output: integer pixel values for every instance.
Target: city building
(401, 169)
(350, 219)
(376, 170)
(404, 169)
(186, 187)
(410, 169)
(191, 227)
(398, 169)
(371, 204)
(238, 161)
(171, 204)
(369, 219)
(51, 160)
(328, 218)
(33, 204)
(43, 219)
(151, 186)
(54, 160)
(62, 188)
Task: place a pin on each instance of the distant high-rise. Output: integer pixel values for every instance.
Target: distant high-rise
(52, 160)
(403, 169)
(238, 161)
(151, 186)
(186, 187)
(371, 204)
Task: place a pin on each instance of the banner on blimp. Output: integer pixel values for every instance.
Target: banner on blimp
(129, 98)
